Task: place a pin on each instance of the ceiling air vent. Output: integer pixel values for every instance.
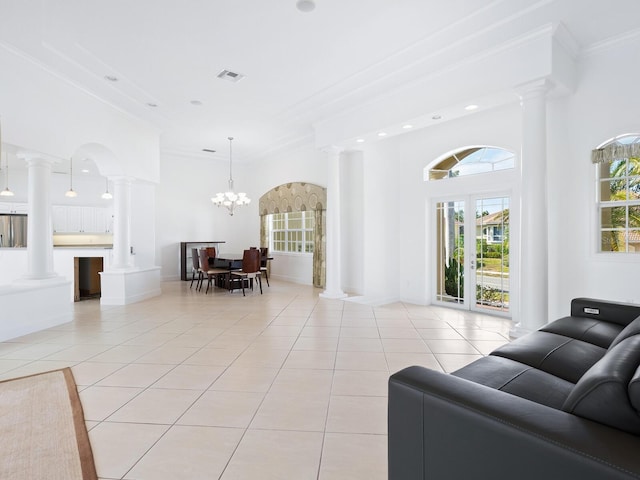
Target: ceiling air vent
(230, 76)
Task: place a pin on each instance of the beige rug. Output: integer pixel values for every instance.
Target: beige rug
(42, 430)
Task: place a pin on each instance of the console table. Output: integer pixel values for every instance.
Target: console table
(185, 255)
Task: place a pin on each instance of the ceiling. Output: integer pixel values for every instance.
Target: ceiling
(300, 68)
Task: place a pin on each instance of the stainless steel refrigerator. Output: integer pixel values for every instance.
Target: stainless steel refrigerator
(13, 230)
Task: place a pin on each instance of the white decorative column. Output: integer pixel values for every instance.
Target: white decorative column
(533, 311)
(124, 283)
(39, 229)
(41, 298)
(121, 223)
(333, 288)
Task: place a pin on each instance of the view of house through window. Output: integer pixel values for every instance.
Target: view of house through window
(291, 232)
(473, 270)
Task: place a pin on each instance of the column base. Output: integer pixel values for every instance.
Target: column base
(334, 294)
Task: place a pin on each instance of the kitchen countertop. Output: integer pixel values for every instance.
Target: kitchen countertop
(95, 245)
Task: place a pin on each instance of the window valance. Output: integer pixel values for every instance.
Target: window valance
(293, 197)
(615, 151)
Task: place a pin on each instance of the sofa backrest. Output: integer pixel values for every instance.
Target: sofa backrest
(609, 392)
(621, 313)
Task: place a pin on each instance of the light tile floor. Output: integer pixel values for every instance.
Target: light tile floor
(284, 385)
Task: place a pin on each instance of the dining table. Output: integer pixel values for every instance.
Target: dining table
(231, 261)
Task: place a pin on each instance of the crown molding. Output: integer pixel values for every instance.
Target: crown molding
(610, 43)
(40, 65)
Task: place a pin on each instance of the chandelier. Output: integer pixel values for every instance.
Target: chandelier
(230, 199)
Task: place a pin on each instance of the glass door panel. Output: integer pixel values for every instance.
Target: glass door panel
(450, 249)
(491, 264)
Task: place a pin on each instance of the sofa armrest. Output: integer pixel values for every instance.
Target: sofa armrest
(445, 427)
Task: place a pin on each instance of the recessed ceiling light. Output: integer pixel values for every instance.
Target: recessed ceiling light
(436, 117)
(360, 140)
(471, 107)
(407, 126)
(111, 78)
(305, 5)
(382, 134)
(151, 104)
(84, 170)
(196, 102)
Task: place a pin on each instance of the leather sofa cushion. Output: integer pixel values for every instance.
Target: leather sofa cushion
(634, 390)
(632, 329)
(564, 357)
(588, 330)
(602, 394)
(518, 379)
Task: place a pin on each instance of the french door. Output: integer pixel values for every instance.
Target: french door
(472, 253)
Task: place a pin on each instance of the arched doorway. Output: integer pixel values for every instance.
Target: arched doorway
(299, 197)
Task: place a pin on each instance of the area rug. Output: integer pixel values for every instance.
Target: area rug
(42, 430)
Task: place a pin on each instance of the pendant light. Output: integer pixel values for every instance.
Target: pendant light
(6, 192)
(230, 199)
(71, 192)
(106, 195)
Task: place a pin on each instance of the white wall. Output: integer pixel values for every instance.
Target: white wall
(605, 104)
(397, 200)
(184, 209)
(143, 224)
(185, 212)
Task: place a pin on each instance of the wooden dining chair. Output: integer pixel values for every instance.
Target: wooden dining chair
(195, 268)
(264, 269)
(207, 269)
(250, 268)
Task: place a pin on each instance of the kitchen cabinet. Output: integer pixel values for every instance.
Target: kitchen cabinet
(7, 207)
(69, 219)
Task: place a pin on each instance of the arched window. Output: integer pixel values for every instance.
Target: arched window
(618, 186)
(471, 160)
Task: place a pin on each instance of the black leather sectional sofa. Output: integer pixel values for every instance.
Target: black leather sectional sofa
(559, 403)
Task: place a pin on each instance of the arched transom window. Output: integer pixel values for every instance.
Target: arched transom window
(470, 161)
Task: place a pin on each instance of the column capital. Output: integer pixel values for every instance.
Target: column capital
(36, 158)
(121, 179)
(537, 88)
(332, 150)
